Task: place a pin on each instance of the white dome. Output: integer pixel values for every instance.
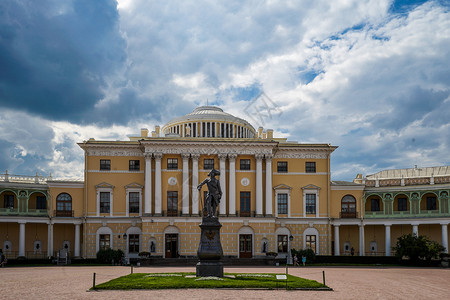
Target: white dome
(208, 115)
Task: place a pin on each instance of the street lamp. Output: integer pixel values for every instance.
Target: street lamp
(291, 238)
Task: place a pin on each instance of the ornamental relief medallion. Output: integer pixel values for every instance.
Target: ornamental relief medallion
(172, 181)
(245, 181)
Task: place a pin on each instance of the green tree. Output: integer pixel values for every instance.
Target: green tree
(417, 248)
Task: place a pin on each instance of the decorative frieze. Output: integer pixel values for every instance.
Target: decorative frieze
(114, 152)
(304, 155)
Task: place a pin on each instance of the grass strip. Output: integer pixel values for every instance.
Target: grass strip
(150, 281)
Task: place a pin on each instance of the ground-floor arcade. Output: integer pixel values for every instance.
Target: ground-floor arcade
(179, 237)
(378, 237)
(40, 237)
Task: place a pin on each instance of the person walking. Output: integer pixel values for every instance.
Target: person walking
(295, 260)
(304, 260)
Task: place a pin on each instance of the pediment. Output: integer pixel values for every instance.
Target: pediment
(104, 185)
(282, 186)
(134, 185)
(311, 187)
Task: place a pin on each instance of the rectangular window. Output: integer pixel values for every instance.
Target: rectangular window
(375, 204)
(282, 244)
(105, 164)
(245, 204)
(104, 241)
(282, 203)
(172, 203)
(245, 164)
(310, 203)
(208, 164)
(310, 167)
(9, 201)
(133, 198)
(282, 167)
(172, 164)
(134, 165)
(311, 242)
(431, 203)
(402, 204)
(133, 243)
(41, 202)
(104, 202)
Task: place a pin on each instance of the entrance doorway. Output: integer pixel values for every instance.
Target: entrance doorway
(171, 245)
(245, 246)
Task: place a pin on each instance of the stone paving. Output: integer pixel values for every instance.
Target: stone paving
(348, 283)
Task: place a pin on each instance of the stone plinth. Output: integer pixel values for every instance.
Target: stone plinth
(210, 249)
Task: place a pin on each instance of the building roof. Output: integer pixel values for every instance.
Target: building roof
(411, 173)
(337, 182)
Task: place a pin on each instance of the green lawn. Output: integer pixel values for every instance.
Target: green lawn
(188, 280)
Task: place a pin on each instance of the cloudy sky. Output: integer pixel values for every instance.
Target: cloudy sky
(372, 77)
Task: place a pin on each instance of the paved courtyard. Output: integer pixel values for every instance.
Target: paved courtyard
(347, 282)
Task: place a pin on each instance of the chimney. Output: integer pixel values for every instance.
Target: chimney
(144, 132)
(269, 134)
(157, 129)
(260, 131)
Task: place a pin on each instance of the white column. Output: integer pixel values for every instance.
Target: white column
(77, 240)
(148, 184)
(158, 198)
(445, 237)
(361, 240)
(259, 185)
(50, 240)
(336, 241)
(232, 185)
(195, 158)
(415, 229)
(223, 184)
(201, 130)
(22, 238)
(185, 201)
(388, 239)
(269, 209)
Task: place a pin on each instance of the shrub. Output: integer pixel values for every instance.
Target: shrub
(144, 254)
(417, 248)
(109, 255)
(309, 253)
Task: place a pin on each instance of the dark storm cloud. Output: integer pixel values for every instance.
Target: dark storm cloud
(55, 56)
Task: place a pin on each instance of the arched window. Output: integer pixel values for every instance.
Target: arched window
(348, 207)
(64, 205)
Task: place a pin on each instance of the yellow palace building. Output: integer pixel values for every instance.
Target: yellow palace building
(141, 195)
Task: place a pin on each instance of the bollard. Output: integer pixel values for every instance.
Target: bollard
(93, 283)
(323, 274)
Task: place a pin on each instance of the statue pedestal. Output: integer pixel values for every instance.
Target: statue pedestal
(210, 249)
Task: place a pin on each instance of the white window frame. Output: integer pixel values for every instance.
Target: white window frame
(311, 191)
(130, 189)
(282, 231)
(283, 189)
(246, 230)
(311, 231)
(138, 231)
(103, 230)
(105, 188)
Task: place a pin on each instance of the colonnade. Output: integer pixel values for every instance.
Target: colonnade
(229, 194)
(22, 239)
(387, 235)
(211, 129)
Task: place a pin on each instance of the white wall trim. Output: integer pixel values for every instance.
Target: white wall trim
(103, 230)
(311, 231)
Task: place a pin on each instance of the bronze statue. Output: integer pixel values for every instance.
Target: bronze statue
(214, 193)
